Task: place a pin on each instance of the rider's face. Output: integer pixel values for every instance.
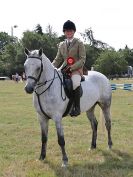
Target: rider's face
(69, 34)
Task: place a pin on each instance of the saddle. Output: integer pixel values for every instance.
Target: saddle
(68, 86)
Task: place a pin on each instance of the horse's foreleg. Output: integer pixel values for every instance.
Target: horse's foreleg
(61, 141)
(94, 123)
(44, 136)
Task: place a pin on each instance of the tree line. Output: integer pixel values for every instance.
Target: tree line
(100, 55)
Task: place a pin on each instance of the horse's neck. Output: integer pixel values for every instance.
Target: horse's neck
(49, 74)
(48, 70)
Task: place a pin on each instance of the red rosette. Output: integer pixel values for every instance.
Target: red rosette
(70, 60)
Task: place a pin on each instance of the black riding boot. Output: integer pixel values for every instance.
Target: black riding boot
(76, 107)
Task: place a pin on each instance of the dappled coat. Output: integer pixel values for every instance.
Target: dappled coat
(75, 50)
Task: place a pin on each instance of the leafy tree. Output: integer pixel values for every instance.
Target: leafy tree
(8, 58)
(1, 66)
(99, 54)
(93, 47)
(38, 29)
(32, 41)
(92, 54)
(50, 32)
(111, 62)
(61, 38)
(4, 40)
(128, 55)
(89, 37)
(19, 59)
(12, 59)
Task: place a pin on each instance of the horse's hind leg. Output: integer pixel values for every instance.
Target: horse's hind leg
(106, 112)
(94, 124)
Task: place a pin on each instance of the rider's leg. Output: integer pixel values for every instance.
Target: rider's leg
(76, 78)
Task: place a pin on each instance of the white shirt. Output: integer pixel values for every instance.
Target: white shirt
(69, 40)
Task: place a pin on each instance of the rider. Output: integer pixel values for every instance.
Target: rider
(72, 47)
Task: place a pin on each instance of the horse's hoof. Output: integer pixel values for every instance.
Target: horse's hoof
(64, 164)
(110, 146)
(92, 149)
(42, 158)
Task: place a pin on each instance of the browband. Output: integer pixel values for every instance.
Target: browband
(39, 58)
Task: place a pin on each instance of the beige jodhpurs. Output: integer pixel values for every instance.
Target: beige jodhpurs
(76, 78)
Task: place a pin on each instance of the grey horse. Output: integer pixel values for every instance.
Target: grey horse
(50, 101)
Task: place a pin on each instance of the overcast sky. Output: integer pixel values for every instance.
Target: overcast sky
(110, 20)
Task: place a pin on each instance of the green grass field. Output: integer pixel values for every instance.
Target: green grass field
(20, 139)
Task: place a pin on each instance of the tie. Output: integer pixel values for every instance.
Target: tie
(68, 45)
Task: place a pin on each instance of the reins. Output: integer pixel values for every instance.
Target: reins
(42, 84)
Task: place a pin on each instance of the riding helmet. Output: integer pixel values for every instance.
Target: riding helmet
(69, 25)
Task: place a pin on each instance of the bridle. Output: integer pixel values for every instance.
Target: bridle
(41, 70)
(42, 84)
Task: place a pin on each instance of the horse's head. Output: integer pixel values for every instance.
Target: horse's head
(33, 68)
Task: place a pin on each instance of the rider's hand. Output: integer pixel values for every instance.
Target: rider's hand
(68, 69)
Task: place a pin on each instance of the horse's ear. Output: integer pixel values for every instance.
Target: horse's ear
(40, 52)
(26, 51)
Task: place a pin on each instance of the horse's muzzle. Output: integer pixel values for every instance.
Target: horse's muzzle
(29, 89)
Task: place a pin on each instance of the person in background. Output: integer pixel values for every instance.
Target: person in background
(23, 76)
(17, 77)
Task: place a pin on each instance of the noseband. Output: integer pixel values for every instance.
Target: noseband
(41, 70)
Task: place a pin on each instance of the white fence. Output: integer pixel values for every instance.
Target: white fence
(128, 87)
